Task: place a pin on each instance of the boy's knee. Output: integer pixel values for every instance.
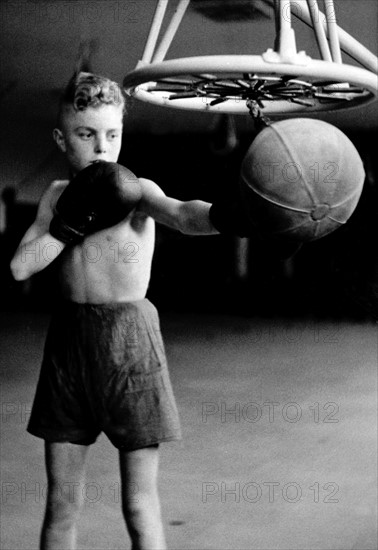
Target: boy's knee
(63, 504)
(144, 523)
(144, 505)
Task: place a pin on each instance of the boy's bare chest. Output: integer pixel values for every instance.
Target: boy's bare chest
(117, 244)
(108, 266)
(116, 250)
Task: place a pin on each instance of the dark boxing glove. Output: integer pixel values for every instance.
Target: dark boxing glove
(100, 196)
(229, 217)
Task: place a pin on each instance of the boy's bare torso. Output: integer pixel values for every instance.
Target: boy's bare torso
(112, 265)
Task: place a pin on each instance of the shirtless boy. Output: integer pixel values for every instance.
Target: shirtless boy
(104, 366)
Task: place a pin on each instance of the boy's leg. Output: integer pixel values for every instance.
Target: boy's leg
(140, 500)
(65, 466)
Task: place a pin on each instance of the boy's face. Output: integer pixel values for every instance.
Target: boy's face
(90, 135)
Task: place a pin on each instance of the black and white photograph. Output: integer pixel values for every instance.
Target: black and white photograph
(189, 274)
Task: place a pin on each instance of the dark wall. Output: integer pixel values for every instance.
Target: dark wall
(335, 276)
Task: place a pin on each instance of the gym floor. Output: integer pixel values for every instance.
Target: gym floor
(280, 438)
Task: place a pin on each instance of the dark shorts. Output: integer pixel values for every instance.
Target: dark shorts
(104, 370)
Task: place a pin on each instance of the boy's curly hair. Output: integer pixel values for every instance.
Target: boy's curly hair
(90, 90)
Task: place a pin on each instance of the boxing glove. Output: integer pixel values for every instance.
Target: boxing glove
(228, 216)
(100, 196)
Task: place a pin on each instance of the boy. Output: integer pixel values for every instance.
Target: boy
(104, 367)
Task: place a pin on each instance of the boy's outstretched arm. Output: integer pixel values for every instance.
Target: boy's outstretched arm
(190, 217)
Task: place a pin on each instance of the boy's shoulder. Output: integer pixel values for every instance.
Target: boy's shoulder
(51, 194)
(56, 187)
(59, 184)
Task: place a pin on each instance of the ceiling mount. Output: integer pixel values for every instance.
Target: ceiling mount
(281, 79)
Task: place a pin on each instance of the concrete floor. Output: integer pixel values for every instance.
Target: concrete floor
(279, 448)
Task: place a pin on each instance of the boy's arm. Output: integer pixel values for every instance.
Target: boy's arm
(38, 248)
(225, 216)
(190, 217)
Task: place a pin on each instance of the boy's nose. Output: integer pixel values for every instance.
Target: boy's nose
(100, 145)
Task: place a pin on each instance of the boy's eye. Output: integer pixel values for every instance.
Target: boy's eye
(113, 135)
(85, 135)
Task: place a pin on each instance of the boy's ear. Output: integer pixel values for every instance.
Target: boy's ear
(59, 139)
